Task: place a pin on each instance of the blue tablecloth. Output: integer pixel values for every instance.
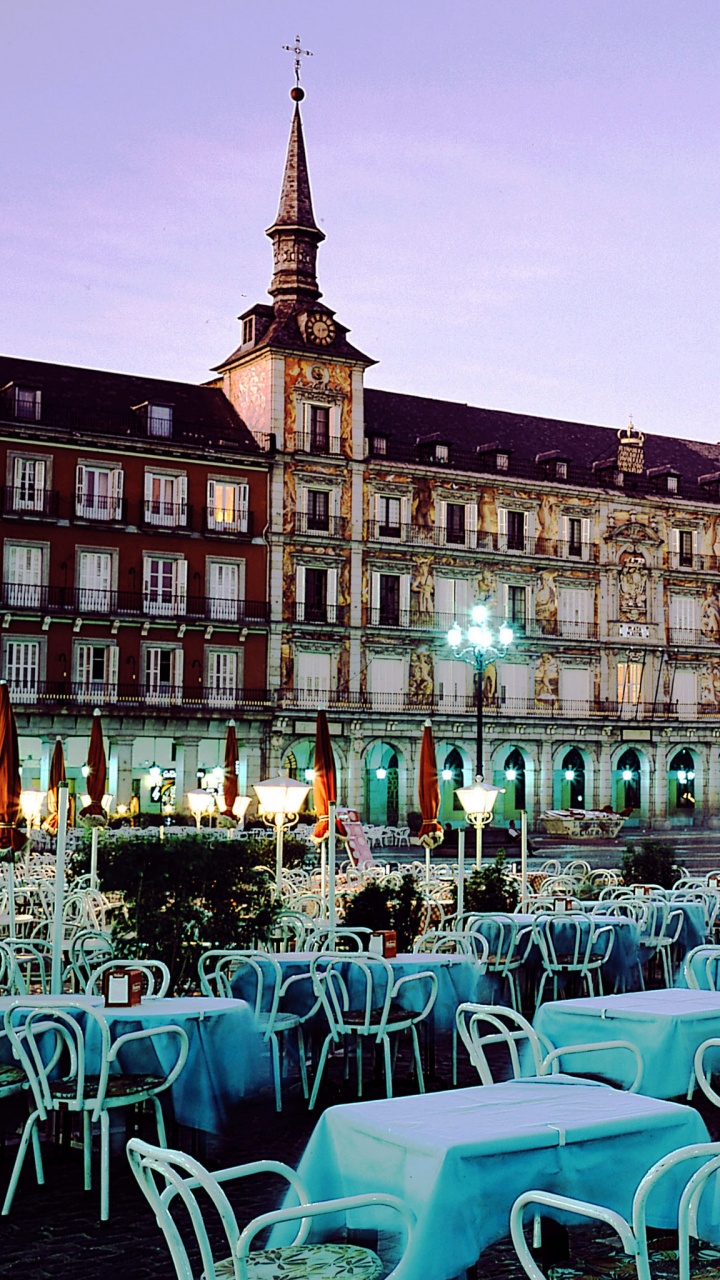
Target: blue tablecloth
(459, 978)
(667, 1026)
(621, 970)
(460, 1158)
(227, 1060)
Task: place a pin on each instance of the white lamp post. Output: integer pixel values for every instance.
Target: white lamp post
(200, 802)
(240, 808)
(478, 802)
(279, 803)
(31, 802)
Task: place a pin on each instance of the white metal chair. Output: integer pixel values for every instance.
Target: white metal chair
(508, 946)
(69, 1061)
(482, 1026)
(156, 976)
(340, 939)
(363, 1000)
(701, 967)
(257, 977)
(88, 949)
(171, 1179)
(571, 945)
(633, 1233)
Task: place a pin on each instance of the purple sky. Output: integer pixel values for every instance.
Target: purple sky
(520, 196)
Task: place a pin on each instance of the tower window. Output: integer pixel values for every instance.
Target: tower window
(248, 330)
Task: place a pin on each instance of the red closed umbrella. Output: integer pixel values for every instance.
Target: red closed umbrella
(93, 812)
(324, 780)
(431, 832)
(230, 782)
(57, 775)
(11, 839)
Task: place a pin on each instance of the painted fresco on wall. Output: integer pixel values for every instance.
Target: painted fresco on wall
(486, 584)
(331, 383)
(423, 505)
(546, 603)
(710, 538)
(290, 501)
(547, 522)
(487, 513)
(632, 584)
(250, 393)
(344, 581)
(547, 681)
(343, 667)
(709, 686)
(710, 614)
(421, 676)
(489, 685)
(287, 664)
(422, 587)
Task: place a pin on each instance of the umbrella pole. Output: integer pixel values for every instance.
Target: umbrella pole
(57, 925)
(95, 836)
(323, 869)
(427, 865)
(523, 860)
(279, 832)
(11, 893)
(331, 872)
(461, 872)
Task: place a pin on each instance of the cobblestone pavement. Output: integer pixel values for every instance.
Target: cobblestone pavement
(53, 1232)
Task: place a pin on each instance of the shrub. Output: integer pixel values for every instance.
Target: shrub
(387, 906)
(650, 862)
(185, 894)
(490, 888)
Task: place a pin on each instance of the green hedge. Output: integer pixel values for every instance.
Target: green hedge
(188, 892)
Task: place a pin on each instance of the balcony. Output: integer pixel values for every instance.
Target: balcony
(101, 507)
(166, 515)
(315, 526)
(335, 615)
(135, 698)
(238, 524)
(691, 636)
(22, 598)
(29, 503)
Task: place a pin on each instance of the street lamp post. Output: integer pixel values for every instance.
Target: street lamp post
(279, 803)
(479, 646)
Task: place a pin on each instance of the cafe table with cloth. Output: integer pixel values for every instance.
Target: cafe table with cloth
(460, 1158)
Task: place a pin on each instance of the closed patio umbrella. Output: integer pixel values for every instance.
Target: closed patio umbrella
(230, 782)
(57, 775)
(11, 838)
(431, 833)
(325, 800)
(93, 813)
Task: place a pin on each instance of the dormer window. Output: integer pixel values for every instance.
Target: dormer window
(248, 330)
(672, 484)
(159, 420)
(502, 461)
(561, 469)
(27, 404)
(377, 446)
(442, 453)
(619, 479)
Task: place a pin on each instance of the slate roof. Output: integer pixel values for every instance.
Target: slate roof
(408, 421)
(102, 403)
(282, 333)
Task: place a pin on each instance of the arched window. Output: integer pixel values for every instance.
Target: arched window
(573, 768)
(452, 774)
(629, 770)
(515, 776)
(682, 772)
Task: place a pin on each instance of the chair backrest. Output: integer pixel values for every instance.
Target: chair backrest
(88, 949)
(503, 936)
(565, 941)
(32, 964)
(156, 976)
(12, 982)
(254, 976)
(701, 968)
(484, 1026)
(352, 984)
(48, 1041)
(340, 939)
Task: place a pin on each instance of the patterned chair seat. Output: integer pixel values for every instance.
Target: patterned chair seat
(304, 1262)
(118, 1086)
(11, 1077)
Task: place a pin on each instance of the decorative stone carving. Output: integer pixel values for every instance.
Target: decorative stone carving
(634, 532)
(546, 603)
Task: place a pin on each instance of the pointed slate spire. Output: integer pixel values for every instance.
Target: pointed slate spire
(294, 233)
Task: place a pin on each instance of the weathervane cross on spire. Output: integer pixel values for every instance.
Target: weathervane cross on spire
(299, 53)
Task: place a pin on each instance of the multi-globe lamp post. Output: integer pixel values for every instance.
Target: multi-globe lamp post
(479, 645)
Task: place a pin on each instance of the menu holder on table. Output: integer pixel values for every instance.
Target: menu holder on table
(383, 943)
(122, 988)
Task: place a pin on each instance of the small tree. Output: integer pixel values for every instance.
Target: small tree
(490, 888)
(650, 862)
(384, 906)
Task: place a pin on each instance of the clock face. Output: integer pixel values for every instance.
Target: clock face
(319, 329)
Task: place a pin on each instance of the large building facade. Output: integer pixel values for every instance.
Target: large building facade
(285, 538)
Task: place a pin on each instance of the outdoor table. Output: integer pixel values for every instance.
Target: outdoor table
(692, 933)
(622, 967)
(460, 978)
(227, 1060)
(460, 1158)
(666, 1025)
